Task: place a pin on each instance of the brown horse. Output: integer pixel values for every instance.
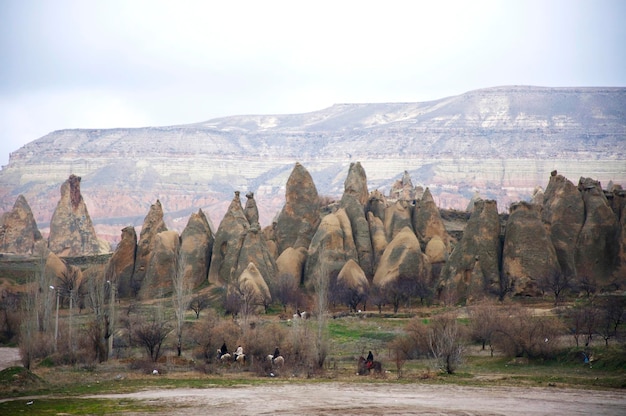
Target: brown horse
(364, 368)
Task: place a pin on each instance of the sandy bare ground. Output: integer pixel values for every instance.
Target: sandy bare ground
(330, 398)
(379, 399)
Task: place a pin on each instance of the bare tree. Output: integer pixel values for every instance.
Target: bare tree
(100, 326)
(321, 286)
(286, 290)
(555, 283)
(446, 342)
(199, 303)
(151, 334)
(484, 322)
(582, 321)
(181, 298)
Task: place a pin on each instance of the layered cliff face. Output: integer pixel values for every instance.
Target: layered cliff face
(501, 142)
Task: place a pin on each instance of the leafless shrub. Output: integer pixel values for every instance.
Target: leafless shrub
(151, 333)
(484, 322)
(199, 303)
(286, 291)
(401, 348)
(520, 334)
(446, 341)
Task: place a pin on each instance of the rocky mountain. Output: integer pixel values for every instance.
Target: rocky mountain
(500, 142)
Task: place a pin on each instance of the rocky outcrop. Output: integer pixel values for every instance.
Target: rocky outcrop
(379, 238)
(300, 216)
(529, 260)
(354, 201)
(252, 290)
(352, 285)
(18, 230)
(403, 189)
(427, 221)
(563, 215)
(196, 248)
(332, 246)
(121, 266)
(162, 267)
(397, 217)
(597, 249)
(254, 250)
(152, 225)
(474, 265)
(290, 264)
(71, 230)
(402, 260)
(228, 241)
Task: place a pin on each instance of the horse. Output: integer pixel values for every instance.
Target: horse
(228, 358)
(277, 362)
(364, 368)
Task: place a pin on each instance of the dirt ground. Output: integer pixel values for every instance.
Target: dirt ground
(379, 399)
(330, 398)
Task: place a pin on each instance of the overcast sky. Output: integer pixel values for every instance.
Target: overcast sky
(99, 64)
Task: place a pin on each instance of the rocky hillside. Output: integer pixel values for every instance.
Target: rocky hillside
(500, 142)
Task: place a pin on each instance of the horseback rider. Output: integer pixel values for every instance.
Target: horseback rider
(238, 353)
(276, 354)
(369, 362)
(223, 350)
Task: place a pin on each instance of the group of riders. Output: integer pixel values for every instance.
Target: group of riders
(223, 352)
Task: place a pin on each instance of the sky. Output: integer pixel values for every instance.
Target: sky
(132, 63)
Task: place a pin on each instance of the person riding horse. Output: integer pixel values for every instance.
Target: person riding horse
(276, 354)
(238, 353)
(223, 350)
(370, 360)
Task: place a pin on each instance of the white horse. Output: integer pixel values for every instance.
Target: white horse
(277, 362)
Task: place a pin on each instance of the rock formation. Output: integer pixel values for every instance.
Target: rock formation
(332, 246)
(597, 248)
(152, 225)
(71, 230)
(427, 221)
(301, 211)
(563, 215)
(252, 290)
(352, 285)
(196, 248)
(254, 250)
(379, 238)
(403, 262)
(529, 260)
(121, 266)
(474, 265)
(162, 267)
(227, 245)
(18, 230)
(290, 264)
(397, 217)
(354, 202)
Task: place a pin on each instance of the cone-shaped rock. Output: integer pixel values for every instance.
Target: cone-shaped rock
(597, 249)
(121, 265)
(477, 255)
(152, 225)
(291, 263)
(529, 260)
(427, 221)
(354, 200)
(563, 215)
(71, 230)
(402, 259)
(254, 250)
(252, 289)
(377, 204)
(251, 211)
(227, 245)
(352, 284)
(196, 248)
(332, 246)
(301, 212)
(18, 229)
(379, 239)
(436, 250)
(162, 266)
(397, 217)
